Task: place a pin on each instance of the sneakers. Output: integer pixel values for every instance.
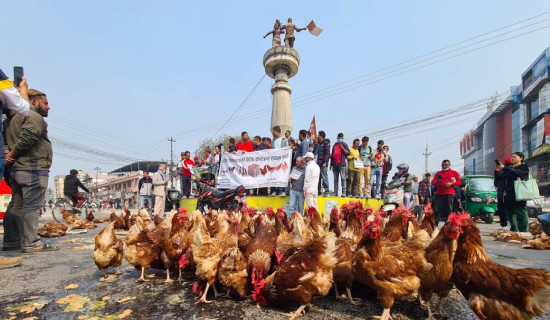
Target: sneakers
(6, 262)
(378, 197)
(506, 228)
(283, 194)
(273, 193)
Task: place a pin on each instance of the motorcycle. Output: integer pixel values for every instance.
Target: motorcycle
(214, 199)
(394, 196)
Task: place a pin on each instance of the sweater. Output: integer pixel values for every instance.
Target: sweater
(446, 176)
(322, 152)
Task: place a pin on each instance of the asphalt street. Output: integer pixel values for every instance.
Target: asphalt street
(39, 286)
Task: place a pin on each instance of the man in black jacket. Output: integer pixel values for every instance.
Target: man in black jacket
(515, 210)
(499, 184)
(71, 189)
(322, 156)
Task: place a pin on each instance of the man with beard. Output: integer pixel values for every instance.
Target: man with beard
(30, 159)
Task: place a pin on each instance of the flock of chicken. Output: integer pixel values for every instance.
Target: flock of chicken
(281, 260)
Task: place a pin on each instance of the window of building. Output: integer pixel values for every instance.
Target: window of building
(534, 110)
(516, 129)
(532, 139)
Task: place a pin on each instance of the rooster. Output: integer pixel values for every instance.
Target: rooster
(90, 216)
(495, 291)
(143, 248)
(108, 251)
(232, 267)
(69, 218)
(345, 246)
(306, 273)
(174, 246)
(440, 254)
(260, 250)
(428, 222)
(393, 272)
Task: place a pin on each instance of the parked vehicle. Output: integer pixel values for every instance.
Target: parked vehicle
(212, 198)
(537, 207)
(480, 197)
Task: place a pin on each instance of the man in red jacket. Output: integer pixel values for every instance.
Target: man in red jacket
(445, 182)
(244, 144)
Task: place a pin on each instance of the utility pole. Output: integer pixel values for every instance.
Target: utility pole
(427, 154)
(171, 162)
(96, 177)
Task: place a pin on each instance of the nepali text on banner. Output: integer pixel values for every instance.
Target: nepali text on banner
(259, 169)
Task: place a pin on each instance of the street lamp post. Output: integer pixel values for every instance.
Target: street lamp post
(96, 177)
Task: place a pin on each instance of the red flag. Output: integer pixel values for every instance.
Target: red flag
(313, 129)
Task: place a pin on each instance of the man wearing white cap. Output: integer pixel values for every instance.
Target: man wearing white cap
(311, 181)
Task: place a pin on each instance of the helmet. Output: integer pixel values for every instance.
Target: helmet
(73, 172)
(404, 167)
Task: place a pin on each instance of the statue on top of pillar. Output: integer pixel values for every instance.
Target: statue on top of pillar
(277, 31)
(289, 36)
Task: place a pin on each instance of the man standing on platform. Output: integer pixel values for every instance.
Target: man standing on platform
(244, 144)
(159, 189)
(322, 154)
(365, 151)
(353, 173)
(184, 167)
(311, 181)
(445, 182)
(338, 162)
(297, 177)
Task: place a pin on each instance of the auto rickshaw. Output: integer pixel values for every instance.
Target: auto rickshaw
(480, 197)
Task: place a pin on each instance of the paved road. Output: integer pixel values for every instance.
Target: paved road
(43, 278)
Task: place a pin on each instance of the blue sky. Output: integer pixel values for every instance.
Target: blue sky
(123, 76)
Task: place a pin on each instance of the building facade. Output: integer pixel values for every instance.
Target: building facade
(520, 123)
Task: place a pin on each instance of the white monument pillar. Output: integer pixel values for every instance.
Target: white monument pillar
(281, 63)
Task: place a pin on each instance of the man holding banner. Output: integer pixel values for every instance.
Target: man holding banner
(311, 181)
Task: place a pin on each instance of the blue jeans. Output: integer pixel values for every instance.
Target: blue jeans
(296, 201)
(149, 200)
(375, 178)
(323, 180)
(339, 174)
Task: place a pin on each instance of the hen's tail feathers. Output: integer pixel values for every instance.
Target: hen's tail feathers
(419, 241)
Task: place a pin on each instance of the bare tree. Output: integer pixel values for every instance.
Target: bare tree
(221, 139)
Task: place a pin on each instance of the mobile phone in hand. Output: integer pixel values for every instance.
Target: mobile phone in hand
(17, 75)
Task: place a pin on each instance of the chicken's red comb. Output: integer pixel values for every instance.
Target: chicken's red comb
(369, 211)
(334, 210)
(428, 206)
(453, 217)
(182, 210)
(464, 216)
(280, 210)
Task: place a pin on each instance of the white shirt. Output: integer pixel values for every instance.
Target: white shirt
(311, 179)
(12, 100)
(277, 143)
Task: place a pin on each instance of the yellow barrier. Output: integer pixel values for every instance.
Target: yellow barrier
(275, 202)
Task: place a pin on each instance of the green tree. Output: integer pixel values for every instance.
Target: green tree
(223, 139)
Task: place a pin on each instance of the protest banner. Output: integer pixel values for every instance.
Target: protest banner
(259, 169)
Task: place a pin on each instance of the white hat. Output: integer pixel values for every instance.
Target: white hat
(309, 155)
